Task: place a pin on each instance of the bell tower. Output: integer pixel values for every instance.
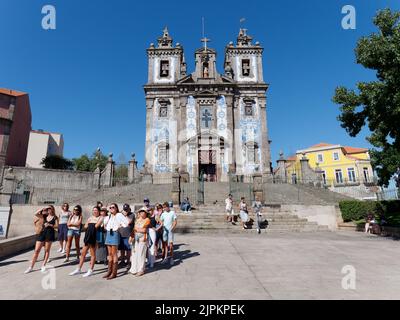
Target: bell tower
(205, 59)
(166, 62)
(245, 59)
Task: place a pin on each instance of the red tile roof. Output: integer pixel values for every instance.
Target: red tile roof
(351, 150)
(322, 144)
(12, 92)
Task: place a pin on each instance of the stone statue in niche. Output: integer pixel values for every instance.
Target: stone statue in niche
(205, 71)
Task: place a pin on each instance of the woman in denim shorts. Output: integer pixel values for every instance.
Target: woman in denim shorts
(112, 224)
(74, 231)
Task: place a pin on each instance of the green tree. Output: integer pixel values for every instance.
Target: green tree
(377, 103)
(57, 162)
(86, 163)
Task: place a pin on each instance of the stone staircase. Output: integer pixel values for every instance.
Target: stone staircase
(212, 220)
(216, 193)
(301, 194)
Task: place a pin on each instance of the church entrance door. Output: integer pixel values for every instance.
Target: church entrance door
(207, 165)
(209, 172)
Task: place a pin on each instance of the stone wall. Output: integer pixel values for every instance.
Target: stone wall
(57, 179)
(323, 215)
(9, 247)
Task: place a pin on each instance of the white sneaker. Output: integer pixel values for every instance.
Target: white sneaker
(75, 272)
(59, 250)
(88, 273)
(43, 269)
(62, 251)
(66, 260)
(28, 270)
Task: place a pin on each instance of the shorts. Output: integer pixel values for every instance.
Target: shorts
(112, 239)
(244, 216)
(73, 233)
(230, 212)
(124, 244)
(168, 236)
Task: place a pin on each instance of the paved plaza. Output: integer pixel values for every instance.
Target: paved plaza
(248, 266)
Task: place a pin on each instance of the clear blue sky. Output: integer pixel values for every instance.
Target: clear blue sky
(85, 78)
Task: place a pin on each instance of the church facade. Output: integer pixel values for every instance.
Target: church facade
(206, 123)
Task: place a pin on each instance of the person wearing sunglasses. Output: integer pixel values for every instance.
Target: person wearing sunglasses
(112, 224)
(74, 231)
(62, 227)
(92, 225)
(45, 222)
(101, 250)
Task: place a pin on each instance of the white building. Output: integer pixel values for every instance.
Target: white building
(41, 145)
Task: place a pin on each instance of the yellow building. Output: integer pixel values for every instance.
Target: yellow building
(340, 166)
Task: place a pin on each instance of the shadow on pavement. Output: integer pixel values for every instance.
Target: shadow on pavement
(3, 264)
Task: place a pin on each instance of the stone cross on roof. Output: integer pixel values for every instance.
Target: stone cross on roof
(165, 41)
(205, 40)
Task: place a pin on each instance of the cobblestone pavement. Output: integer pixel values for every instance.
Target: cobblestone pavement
(274, 266)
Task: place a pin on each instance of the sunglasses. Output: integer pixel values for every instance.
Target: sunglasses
(112, 207)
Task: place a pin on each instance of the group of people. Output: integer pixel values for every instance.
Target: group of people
(244, 212)
(374, 225)
(146, 233)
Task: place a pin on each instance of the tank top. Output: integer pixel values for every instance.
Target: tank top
(75, 220)
(52, 221)
(153, 222)
(64, 216)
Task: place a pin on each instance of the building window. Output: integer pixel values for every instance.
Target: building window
(163, 112)
(320, 158)
(246, 67)
(164, 68)
(336, 156)
(248, 109)
(352, 174)
(324, 177)
(339, 176)
(5, 127)
(366, 175)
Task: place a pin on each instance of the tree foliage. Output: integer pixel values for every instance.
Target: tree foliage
(377, 103)
(90, 163)
(57, 162)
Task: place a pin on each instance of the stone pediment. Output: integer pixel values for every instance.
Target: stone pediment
(186, 80)
(226, 79)
(206, 93)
